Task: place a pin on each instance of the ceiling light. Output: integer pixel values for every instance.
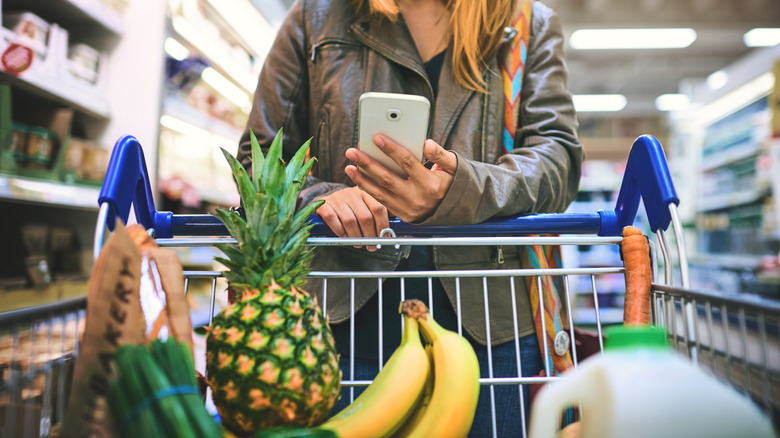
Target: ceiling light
(599, 102)
(175, 49)
(717, 80)
(762, 37)
(672, 102)
(674, 38)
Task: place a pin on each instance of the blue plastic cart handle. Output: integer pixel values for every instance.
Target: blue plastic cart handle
(647, 177)
(127, 183)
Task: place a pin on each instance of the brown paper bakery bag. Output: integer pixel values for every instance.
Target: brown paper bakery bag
(177, 312)
(113, 317)
(164, 303)
(136, 294)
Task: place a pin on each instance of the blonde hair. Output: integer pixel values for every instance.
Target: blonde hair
(476, 28)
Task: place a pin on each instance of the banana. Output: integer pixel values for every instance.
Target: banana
(386, 403)
(419, 411)
(453, 402)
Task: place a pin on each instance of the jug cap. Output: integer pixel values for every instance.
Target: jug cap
(635, 336)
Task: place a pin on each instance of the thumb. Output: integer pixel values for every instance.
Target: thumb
(446, 160)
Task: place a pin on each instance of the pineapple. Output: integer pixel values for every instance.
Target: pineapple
(270, 356)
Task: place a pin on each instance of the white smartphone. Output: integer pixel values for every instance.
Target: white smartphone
(402, 117)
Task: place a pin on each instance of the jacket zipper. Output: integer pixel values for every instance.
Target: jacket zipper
(404, 62)
(326, 43)
(485, 108)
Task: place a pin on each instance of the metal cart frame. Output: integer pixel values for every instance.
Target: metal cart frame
(704, 326)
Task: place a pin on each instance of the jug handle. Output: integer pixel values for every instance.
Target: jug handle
(575, 388)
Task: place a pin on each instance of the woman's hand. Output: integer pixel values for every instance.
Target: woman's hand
(354, 213)
(411, 199)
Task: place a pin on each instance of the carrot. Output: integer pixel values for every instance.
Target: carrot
(636, 259)
(141, 238)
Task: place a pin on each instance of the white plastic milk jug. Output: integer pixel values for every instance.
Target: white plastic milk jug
(640, 387)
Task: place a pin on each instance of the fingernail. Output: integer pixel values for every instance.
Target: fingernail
(351, 154)
(379, 141)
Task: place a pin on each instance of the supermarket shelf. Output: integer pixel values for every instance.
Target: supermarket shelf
(733, 199)
(217, 58)
(74, 11)
(47, 78)
(51, 193)
(735, 261)
(733, 154)
(15, 299)
(179, 109)
(89, 103)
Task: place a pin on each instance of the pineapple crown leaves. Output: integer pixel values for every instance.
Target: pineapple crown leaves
(272, 237)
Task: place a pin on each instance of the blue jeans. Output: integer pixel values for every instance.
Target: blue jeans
(507, 399)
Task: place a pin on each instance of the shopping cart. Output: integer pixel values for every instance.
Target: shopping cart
(734, 337)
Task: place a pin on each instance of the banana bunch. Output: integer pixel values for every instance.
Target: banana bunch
(386, 403)
(450, 407)
(426, 391)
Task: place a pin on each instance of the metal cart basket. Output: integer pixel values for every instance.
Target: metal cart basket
(734, 337)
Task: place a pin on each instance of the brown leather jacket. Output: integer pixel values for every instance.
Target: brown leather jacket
(327, 54)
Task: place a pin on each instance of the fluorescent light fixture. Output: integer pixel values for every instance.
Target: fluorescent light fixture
(225, 87)
(605, 39)
(672, 102)
(599, 102)
(717, 80)
(762, 37)
(175, 49)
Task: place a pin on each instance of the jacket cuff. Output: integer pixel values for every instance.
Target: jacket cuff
(454, 208)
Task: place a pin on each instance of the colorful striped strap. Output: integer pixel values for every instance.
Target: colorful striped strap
(547, 316)
(512, 59)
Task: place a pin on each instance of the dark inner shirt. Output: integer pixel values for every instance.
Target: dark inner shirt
(433, 69)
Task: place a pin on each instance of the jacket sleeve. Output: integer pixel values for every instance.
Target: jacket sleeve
(543, 171)
(282, 100)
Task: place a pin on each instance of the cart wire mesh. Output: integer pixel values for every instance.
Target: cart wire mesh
(734, 337)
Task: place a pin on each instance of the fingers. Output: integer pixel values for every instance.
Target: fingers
(379, 213)
(446, 160)
(353, 213)
(412, 198)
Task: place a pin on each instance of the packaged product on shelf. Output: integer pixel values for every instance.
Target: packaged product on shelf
(83, 62)
(74, 152)
(29, 28)
(19, 141)
(36, 243)
(94, 161)
(41, 143)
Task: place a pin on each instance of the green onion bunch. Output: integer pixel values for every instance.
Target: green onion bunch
(155, 393)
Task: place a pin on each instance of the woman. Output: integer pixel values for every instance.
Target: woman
(327, 53)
